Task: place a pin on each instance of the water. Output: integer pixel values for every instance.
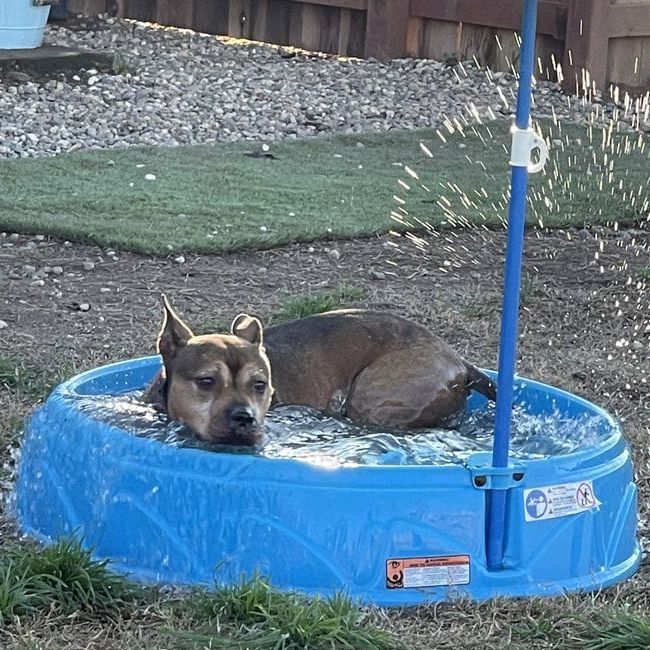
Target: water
(309, 436)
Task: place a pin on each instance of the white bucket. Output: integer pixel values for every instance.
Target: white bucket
(22, 24)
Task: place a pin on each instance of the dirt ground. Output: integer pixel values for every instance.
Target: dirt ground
(585, 327)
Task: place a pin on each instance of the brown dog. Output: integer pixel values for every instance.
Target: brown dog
(372, 367)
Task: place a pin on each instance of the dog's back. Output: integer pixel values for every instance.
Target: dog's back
(330, 360)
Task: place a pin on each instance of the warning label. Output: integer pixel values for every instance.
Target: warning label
(442, 571)
(559, 500)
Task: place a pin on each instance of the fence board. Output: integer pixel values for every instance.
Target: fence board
(626, 61)
(345, 24)
(343, 4)
(414, 32)
(480, 42)
(310, 27)
(586, 43)
(240, 23)
(330, 22)
(171, 12)
(439, 39)
(295, 23)
(211, 17)
(259, 20)
(549, 52)
(144, 10)
(505, 57)
(277, 21)
(386, 22)
(551, 16)
(357, 42)
(88, 7)
(629, 20)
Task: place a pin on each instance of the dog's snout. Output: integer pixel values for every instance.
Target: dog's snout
(241, 419)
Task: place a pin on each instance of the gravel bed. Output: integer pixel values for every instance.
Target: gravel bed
(172, 87)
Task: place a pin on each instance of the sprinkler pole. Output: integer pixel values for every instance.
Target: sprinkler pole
(512, 279)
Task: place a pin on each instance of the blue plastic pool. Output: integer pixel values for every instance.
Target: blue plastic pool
(390, 535)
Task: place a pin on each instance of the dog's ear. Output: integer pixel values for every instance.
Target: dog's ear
(174, 333)
(248, 328)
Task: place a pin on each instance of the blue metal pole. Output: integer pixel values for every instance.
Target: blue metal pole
(514, 253)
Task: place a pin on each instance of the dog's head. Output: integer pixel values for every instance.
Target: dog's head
(217, 384)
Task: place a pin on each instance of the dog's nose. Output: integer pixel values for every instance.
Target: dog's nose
(241, 419)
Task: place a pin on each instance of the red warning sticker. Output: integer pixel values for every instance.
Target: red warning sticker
(441, 571)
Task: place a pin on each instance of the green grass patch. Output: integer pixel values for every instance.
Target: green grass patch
(253, 615)
(12, 375)
(31, 381)
(213, 326)
(11, 431)
(298, 306)
(644, 273)
(317, 302)
(62, 577)
(211, 199)
(64, 580)
(529, 290)
(542, 630)
(620, 630)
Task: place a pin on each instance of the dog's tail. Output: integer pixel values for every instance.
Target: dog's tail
(479, 381)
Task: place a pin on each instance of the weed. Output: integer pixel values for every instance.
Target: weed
(32, 381)
(316, 303)
(621, 630)
(215, 326)
(252, 614)
(528, 293)
(12, 374)
(62, 576)
(20, 593)
(121, 65)
(295, 307)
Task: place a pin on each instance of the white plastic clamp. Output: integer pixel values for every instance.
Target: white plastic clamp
(524, 142)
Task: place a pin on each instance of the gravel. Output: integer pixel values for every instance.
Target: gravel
(173, 87)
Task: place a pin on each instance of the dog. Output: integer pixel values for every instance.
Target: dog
(372, 367)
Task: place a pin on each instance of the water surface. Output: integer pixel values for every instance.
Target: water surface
(307, 435)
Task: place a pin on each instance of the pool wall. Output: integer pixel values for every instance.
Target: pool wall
(187, 516)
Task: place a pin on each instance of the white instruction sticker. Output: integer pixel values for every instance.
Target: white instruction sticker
(559, 500)
(440, 571)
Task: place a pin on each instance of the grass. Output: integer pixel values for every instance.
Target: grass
(62, 577)
(620, 630)
(529, 290)
(11, 431)
(252, 615)
(12, 374)
(214, 198)
(64, 580)
(30, 381)
(604, 628)
(317, 302)
(63, 583)
(299, 306)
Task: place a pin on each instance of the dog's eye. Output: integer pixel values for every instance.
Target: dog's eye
(260, 386)
(205, 382)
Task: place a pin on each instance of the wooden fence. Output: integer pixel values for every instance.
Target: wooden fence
(609, 38)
